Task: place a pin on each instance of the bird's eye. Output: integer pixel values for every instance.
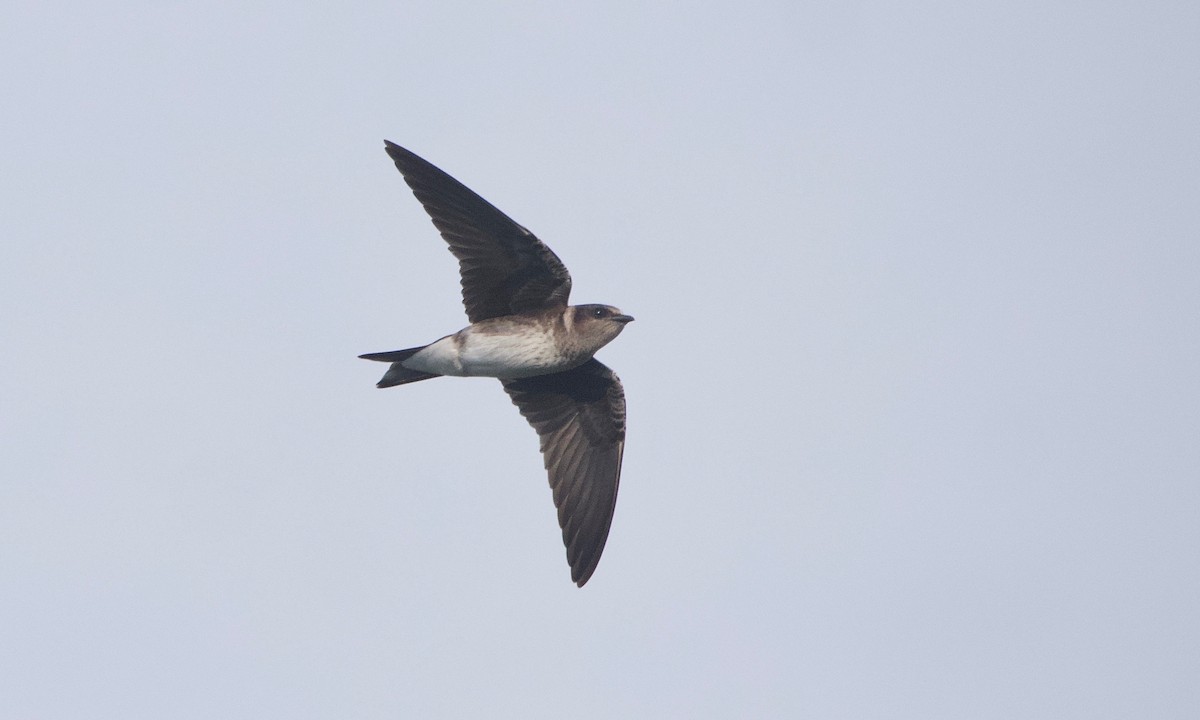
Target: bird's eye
(599, 313)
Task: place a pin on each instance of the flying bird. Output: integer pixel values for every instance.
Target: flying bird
(523, 332)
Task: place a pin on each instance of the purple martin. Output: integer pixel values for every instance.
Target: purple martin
(523, 332)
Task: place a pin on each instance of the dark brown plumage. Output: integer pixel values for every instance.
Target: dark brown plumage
(505, 269)
(580, 417)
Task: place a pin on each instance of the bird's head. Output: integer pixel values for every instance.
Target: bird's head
(598, 323)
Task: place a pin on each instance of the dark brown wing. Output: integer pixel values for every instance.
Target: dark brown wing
(505, 269)
(579, 415)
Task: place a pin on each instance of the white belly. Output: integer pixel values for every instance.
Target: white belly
(470, 353)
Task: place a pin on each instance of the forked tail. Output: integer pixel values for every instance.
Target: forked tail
(397, 374)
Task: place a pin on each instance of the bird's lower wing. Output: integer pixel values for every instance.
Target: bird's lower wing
(579, 415)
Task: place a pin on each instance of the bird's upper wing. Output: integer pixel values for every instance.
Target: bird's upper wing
(579, 415)
(505, 269)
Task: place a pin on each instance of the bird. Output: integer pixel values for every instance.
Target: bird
(523, 332)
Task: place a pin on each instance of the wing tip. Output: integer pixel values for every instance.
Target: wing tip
(396, 152)
(583, 568)
(581, 580)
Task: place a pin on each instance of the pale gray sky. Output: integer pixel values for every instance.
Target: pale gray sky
(914, 390)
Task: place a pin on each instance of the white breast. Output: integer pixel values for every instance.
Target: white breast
(474, 353)
(508, 355)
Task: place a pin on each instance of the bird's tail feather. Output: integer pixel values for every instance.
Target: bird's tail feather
(397, 374)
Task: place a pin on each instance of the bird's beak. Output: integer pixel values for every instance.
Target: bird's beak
(623, 318)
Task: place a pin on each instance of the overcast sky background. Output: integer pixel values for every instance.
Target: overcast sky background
(914, 389)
